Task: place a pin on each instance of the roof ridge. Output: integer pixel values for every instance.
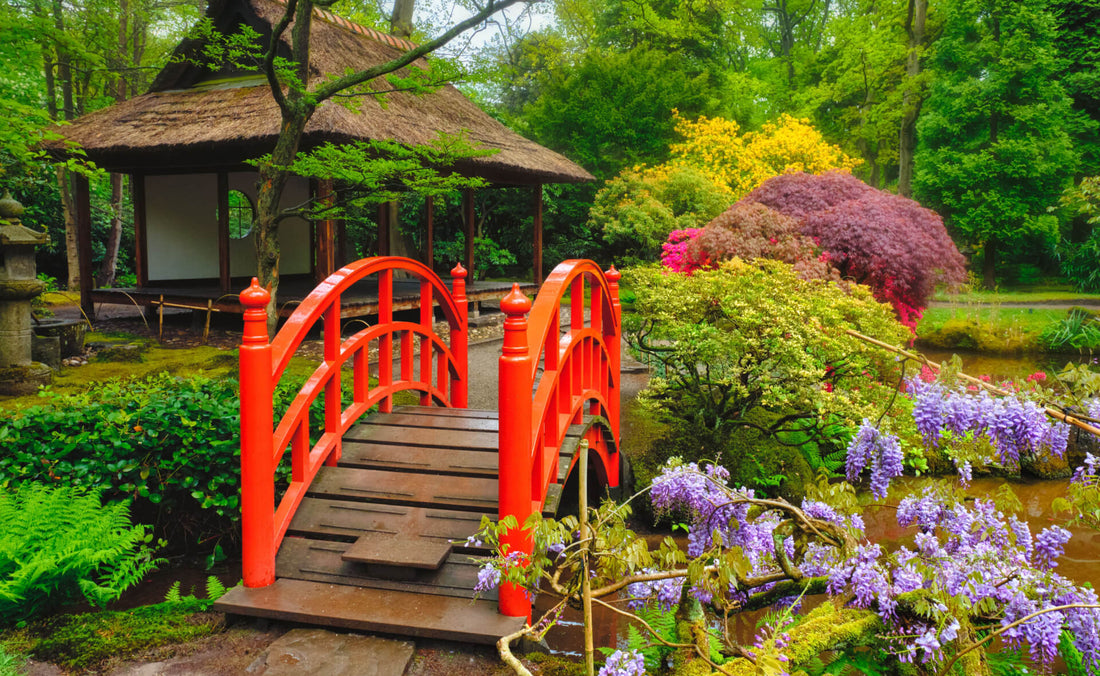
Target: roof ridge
(391, 40)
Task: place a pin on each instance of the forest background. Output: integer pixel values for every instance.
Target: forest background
(985, 110)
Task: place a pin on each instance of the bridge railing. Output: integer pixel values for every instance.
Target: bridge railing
(440, 377)
(572, 373)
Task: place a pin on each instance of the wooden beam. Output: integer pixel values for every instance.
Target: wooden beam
(537, 227)
(429, 236)
(468, 216)
(384, 229)
(84, 242)
(326, 249)
(342, 243)
(223, 231)
(141, 239)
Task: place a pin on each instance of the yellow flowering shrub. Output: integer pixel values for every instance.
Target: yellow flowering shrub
(710, 168)
(742, 162)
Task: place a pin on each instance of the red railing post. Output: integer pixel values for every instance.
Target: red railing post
(459, 337)
(257, 454)
(614, 346)
(514, 406)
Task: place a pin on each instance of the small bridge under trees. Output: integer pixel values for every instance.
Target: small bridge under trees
(364, 523)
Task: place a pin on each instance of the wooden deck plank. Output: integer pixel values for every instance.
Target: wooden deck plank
(436, 421)
(442, 410)
(376, 610)
(397, 549)
(317, 561)
(411, 436)
(347, 521)
(418, 490)
(437, 460)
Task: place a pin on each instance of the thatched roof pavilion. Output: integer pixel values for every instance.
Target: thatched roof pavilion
(194, 122)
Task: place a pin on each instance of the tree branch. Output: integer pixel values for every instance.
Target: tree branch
(333, 87)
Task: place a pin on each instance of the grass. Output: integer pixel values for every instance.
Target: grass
(992, 329)
(1048, 293)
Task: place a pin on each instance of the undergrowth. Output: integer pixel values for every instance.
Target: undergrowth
(59, 545)
(85, 641)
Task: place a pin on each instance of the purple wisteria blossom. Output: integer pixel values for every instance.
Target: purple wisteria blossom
(624, 663)
(880, 452)
(976, 553)
(1014, 426)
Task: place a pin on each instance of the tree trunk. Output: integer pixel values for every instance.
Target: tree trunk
(107, 268)
(68, 209)
(910, 100)
(269, 193)
(989, 264)
(401, 18)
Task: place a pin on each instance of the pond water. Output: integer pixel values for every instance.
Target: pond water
(1012, 367)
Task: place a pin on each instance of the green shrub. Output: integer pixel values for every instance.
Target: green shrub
(637, 210)
(754, 367)
(170, 444)
(58, 545)
(490, 259)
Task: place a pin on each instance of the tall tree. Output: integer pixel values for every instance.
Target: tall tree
(994, 151)
(299, 97)
(1078, 25)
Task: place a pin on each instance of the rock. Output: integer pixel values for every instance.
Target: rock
(1046, 466)
(316, 652)
(128, 352)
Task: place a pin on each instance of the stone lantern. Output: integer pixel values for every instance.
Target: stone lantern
(19, 285)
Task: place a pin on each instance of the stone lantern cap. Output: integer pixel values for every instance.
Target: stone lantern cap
(14, 233)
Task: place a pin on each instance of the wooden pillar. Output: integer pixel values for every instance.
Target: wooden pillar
(141, 246)
(84, 242)
(223, 231)
(468, 216)
(383, 229)
(342, 243)
(537, 227)
(326, 240)
(429, 235)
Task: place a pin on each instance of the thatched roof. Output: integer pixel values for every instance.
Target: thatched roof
(184, 123)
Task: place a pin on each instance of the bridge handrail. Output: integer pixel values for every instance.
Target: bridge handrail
(580, 368)
(262, 364)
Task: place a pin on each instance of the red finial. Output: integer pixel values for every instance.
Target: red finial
(613, 275)
(255, 296)
(458, 271)
(515, 303)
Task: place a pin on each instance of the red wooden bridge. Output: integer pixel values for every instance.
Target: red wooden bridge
(370, 530)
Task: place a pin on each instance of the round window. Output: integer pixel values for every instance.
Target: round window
(241, 215)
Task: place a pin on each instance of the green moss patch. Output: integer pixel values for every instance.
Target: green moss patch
(83, 642)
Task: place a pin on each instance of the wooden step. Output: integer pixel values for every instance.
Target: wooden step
(397, 550)
(320, 561)
(440, 410)
(374, 610)
(434, 460)
(435, 421)
(416, 490)
(422, 436)
(346, 521)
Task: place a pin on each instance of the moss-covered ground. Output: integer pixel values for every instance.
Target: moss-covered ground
(84, 641)
(154, 358)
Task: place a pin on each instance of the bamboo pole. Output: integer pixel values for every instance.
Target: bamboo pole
(920, 358)
(586, 580)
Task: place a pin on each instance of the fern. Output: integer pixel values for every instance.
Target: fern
(214, 588)
(214, 591)
(173, 595)
(1075, 665)
(59, 545)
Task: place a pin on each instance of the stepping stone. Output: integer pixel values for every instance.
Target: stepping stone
(316, 652)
